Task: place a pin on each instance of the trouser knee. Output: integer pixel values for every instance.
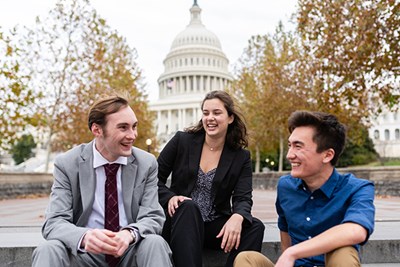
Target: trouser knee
(51, 251)
(50, 246)
(258, 226)
(187, 215)
(188, 206)
(252, 236)
(252, 258)
(153, 250)
(343, 257)
(154, 242)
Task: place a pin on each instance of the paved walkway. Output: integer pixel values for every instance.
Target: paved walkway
(387, 209)
(29, 212)
(21, 220)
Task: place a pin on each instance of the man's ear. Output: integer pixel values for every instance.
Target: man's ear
(328, 155)
(96, 130)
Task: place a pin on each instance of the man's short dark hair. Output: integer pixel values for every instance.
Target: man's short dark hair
(329, 132)
(103, 107)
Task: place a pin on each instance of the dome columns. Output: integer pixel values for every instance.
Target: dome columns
(191, 84)
(194, 66)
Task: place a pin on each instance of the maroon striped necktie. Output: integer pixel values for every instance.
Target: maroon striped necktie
(111, 213)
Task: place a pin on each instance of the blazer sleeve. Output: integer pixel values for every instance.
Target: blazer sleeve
(59, 222)
(166, 162)
(242, 194)
(150, 215)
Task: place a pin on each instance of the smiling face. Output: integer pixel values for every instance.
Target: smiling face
(116, 138)
(215, 118)
(306, 162)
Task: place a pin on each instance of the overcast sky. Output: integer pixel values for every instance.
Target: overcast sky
(150, 26)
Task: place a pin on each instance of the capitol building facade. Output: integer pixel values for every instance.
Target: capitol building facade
(194, 66)
(385, 134)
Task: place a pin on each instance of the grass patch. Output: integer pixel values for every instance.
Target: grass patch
(385, 162)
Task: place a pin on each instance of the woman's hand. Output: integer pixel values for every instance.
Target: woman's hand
(230, 233)
(174, 202)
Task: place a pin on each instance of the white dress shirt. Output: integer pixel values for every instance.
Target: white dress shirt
(96, 218)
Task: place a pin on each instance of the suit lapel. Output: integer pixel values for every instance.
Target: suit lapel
(224, 164)
(128, 180)
(194, 159)
(87, 180)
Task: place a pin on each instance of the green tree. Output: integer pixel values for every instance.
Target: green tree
(358, 152)
(16, 101)
(22, 149)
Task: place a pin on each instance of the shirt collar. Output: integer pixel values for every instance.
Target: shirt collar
(327, 188)
(99, 160)
(301, 185)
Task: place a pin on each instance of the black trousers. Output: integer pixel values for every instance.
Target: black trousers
(187, 235)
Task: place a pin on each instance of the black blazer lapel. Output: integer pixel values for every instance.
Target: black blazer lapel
(195, 149)
(224, 164)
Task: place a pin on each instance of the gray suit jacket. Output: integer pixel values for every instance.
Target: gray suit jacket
(73, 192)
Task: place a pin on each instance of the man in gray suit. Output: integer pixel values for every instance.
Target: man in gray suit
(77, 228)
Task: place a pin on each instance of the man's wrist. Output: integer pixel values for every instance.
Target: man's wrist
(132, 232)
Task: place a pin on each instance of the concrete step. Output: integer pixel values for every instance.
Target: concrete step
(21, 257)
(383, 248)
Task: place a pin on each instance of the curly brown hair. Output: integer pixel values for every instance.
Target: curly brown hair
(236, 136)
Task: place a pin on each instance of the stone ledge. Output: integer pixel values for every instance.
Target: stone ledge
(17, 244)
(376, 251)
(386, 179)
(16, 256)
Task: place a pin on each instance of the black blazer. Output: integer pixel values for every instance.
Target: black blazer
(232, 182)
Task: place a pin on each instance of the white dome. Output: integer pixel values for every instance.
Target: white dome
(195, 63)
(194, 66)
(195, 33)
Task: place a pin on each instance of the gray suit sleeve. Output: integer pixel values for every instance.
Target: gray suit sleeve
(59, 222)
(150, 216)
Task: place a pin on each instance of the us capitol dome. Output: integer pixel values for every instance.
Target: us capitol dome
(194, 66)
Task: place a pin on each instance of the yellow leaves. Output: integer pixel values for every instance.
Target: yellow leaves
(102, 22)
(16, 99)
(352, 47)
(347, 49)
(9, 50)
(16, 89)
(100, 64)
(266, 84)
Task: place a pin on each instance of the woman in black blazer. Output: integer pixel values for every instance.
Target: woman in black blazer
(208, 203)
